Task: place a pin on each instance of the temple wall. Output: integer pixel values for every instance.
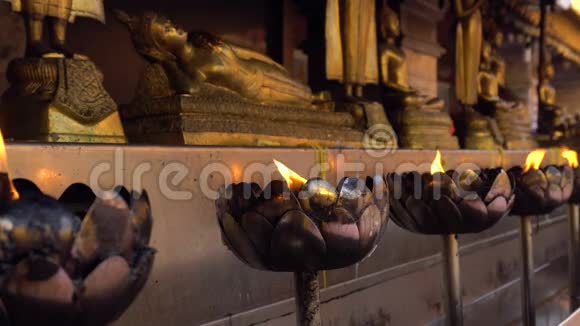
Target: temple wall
(419, 20)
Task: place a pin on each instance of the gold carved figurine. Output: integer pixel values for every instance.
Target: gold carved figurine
(482, 131)
(200, 89)
(421, 122)
(496, 122)
(55, 95)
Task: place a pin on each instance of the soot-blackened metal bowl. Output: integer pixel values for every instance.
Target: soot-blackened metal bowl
(469, 203)
(80, 260)
(319, 228)
(540, 191)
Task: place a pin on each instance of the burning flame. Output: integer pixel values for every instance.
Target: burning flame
(437, 166)
(571, 156)
(295, 181)
(534, 160)
(4, 167)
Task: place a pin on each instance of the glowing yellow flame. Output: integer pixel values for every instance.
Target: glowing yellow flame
(571, 156)
(4, 167)
(295, 181)
(437, 166)
(534, 160)
(575, 5)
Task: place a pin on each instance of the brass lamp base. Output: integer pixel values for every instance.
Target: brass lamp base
(58, 100)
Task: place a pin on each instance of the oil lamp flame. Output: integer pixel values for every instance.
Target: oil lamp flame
(295, 181)
(4, 167)
(571, 156)
(437, 166)
(534, 160)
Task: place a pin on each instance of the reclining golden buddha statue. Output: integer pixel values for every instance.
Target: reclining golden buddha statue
(191, 59)
(213, 92)
(420, 121)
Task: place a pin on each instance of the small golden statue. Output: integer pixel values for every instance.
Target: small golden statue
(551, 116)
(482, 131)
(200, 89)
(421, 121)
(495, 122)
(55, 95)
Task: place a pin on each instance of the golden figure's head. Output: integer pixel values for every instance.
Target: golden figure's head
(154, 36)
(390, 23)
(498, 39)
(547, 71)
(486, 52)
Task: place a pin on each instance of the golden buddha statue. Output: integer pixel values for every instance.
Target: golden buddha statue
(497, 63)
(200, 89)
(421, 122)
(468, 45)
(551, 118)
(193, 59)
(482, 131)
(496, 122)
(351, 44)
(55, 95)
(393, 66)
(60, 12)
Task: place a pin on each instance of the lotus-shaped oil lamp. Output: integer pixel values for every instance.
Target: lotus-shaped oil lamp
(541, 190)
(538, 191)
(303, 226)
(59, 269)
(450, 202)
(572, 159)
(574, 219)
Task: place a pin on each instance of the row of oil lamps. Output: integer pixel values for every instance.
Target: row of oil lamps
(82, 260)
(309, 225)
(304, 226)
